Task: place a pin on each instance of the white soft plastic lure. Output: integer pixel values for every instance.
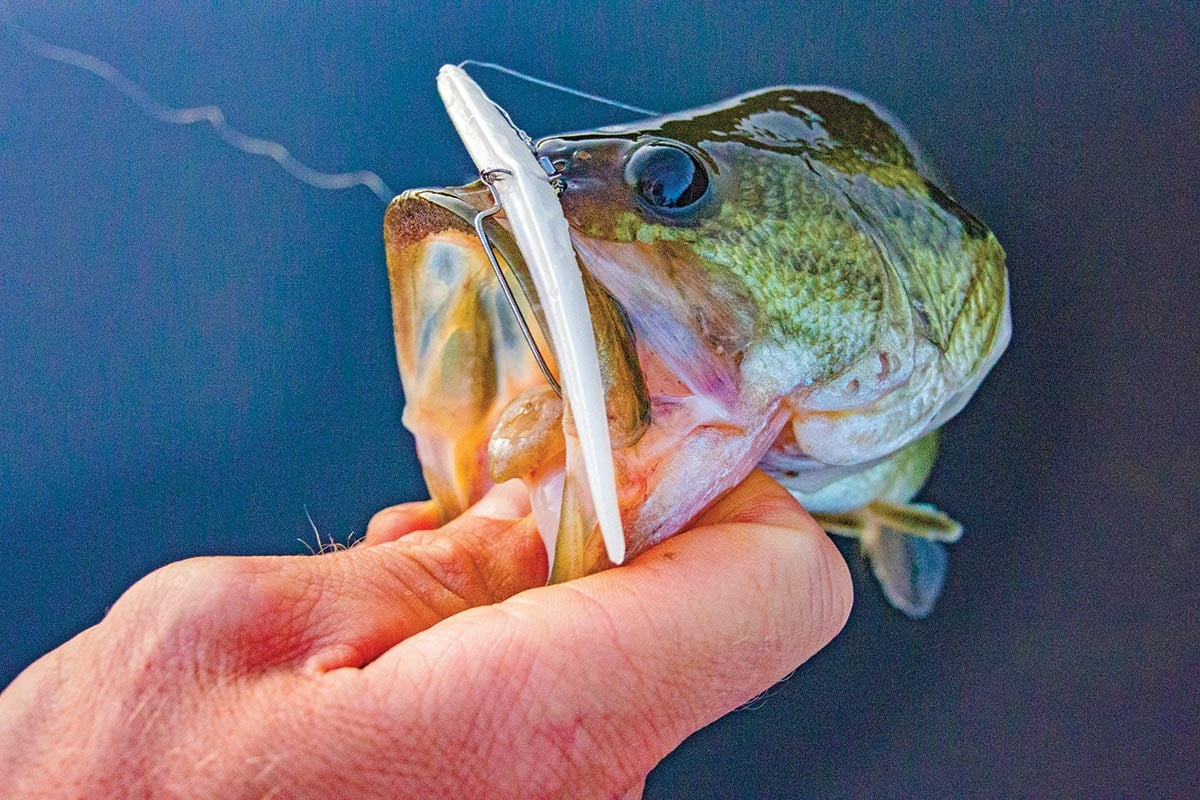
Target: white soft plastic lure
(541, 233)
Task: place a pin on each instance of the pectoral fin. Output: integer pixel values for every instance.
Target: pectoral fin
(917, 519)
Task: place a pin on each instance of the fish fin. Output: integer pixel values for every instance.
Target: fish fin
(911, 570)
(903, 543)
(848, 524)
(917, 519)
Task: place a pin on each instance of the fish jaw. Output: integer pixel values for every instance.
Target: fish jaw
(461, 357)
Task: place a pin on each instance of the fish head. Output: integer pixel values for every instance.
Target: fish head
(782, 276)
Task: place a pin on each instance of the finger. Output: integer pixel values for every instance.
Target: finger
(369, 599)
(614, 670)
(391, 523)
(510, 502)
(341, 608)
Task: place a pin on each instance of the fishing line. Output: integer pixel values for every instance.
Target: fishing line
(558, 86)
(252, 145)
(211, 114)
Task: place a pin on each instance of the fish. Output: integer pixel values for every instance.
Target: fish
(782, 280)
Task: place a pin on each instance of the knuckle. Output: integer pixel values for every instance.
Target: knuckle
(176, 587)
(445, 573)
(201, 606)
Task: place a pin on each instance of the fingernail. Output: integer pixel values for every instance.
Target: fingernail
(388, 517)
(508, 500)
(392, 523)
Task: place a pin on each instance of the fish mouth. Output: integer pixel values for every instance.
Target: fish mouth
(681, 432)
(531, 433)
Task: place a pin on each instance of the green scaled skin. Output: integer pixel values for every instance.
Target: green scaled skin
(827, 265)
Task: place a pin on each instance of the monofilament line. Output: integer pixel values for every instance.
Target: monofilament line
(189, 116)
(558, 87)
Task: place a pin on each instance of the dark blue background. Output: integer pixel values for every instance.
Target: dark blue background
(194, 346)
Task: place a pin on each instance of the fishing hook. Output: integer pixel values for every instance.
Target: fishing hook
(489, 177)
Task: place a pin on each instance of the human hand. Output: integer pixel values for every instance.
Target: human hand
(427, 663)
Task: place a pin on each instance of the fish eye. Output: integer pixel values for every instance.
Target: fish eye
(666, 177)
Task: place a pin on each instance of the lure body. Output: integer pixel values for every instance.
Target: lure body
(779, 280)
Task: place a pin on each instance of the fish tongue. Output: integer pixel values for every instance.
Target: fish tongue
(543, 237)
(528, 436)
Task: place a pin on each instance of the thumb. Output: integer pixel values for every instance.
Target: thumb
(382, 594)
(627, 663)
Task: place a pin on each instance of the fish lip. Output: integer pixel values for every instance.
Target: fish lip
(416, 213)
(465, 202)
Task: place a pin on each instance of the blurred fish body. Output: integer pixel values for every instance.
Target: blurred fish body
(780, 280)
